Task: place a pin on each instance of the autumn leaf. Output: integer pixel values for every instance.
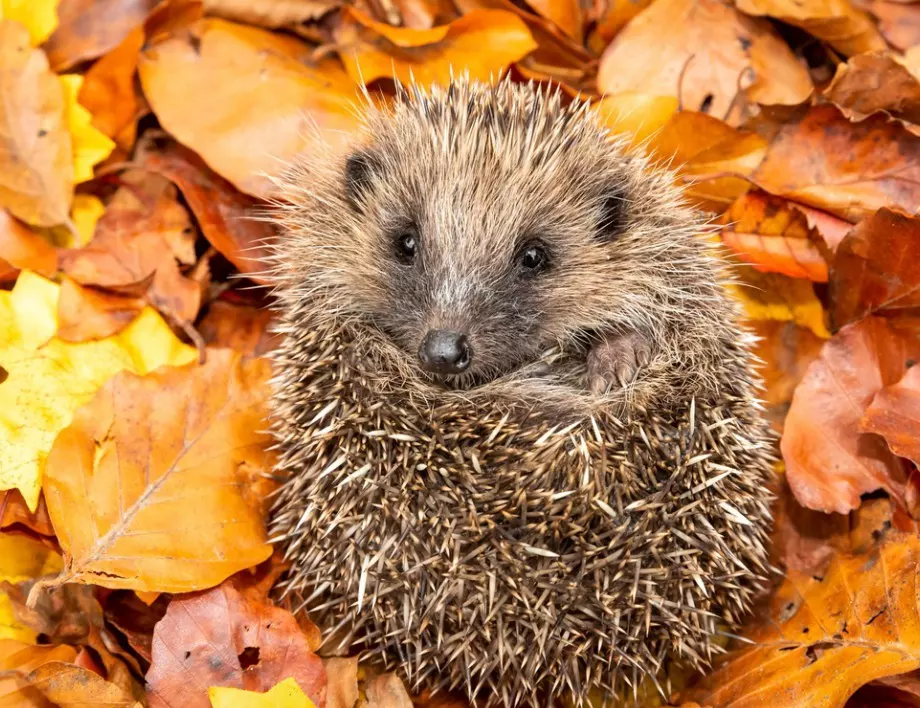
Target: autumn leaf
(86, 313)
(85, 214)
(341, 682)
(23, 249)
(773, 237)
(387, 691)
(897, 22)
(47, 380)
(284, 694)
(565, 14)
(829, 462)
(827, 635)
(243, 105)
(876, 268)
(37, 16)
(848, 169)
(90, 146)
(272, 15)
(238, 326)
(21, 558)
(895, 415)
(770, 296)
(13, 510)
(875, 83)
(706, 53)
(481, 43)
(226, 637)
(637, 116)
(36, 170)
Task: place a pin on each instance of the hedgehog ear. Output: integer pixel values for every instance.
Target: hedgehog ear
(612, 220)
(360, 170)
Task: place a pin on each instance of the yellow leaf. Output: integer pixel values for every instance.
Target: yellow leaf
(771, 296)
(284, 694)
(23, 558)
(10, 628)
(47, 381)
(84, 213)
(39, 16)
(90, 146)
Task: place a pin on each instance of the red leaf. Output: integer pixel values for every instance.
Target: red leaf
(895, 415)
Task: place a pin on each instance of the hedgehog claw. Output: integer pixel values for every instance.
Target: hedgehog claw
(616, 359)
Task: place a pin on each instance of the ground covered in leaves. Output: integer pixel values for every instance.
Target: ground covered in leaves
(137, 135)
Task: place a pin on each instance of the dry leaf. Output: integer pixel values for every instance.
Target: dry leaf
(828, 635)
(895, 415)
(387, 691)
(706, 53)
(284, 694)
(837, 22)
(240, 327)
(243, 105)
(13, 510)
(154, 486)
(899, 22)
(224, 637)
(636, 116)
(85, 313)
(36, 171)
(848, 169)
(91, 28)
(565, 14)
(773, 237)
(278, 13)
(612, 18)
(90, 146)
(37, 16)
(47, 381)
(341, 682)
(829, 462)
(771, 296)
(875, 83)
(23, 249)
(876, 268)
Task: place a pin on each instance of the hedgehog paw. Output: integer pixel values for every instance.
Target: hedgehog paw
(615, 360)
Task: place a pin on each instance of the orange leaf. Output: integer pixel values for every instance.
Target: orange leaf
(155, 485)
(565, 14)
(638, 116)
(828, 635)
(225, 637)
(829, 463)
(848, 169)
(85, 313)
(387, 691)
(875, 83)
(837, 22)
(895, 415)
(36, 158)
(240, 327)
(342, 682)
(877, 268)
(23, 249)
(483, 43)
(275, 14)
(239, 98)
(898, 22)
(771, 296)
(705, 52)
(773, 237)
(14, 510)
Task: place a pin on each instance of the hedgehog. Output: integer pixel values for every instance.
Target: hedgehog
(521, 451)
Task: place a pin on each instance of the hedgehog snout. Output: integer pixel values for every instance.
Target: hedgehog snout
(445, 352)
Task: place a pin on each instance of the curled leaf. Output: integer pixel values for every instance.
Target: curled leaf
(895, 415)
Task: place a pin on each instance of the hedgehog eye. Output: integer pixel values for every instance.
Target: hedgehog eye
(532, 258)
(407, 245)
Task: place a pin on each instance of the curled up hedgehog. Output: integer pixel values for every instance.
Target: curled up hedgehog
(515, 408)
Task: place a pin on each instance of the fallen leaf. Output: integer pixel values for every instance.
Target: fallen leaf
(899, 22)
(831, 228)
(229, 93)
(826, 636)
(875, 269)
(895, 415)
(240, 327)
(85, 314)
(875, 83)
(155, 484)
(91, 28)
(47, 380)
(223, 637)
(37, 16)
(36, 171)
(13, 510)
(481, 43)
(226, 216)
(637, 116)
(23, 558)
(773, 237)
(85, 214)
(273, 15)
(565, 14)
(848, 169)
(23, 249)
(846, 28)
(341, 681)
(90, 146)
(770, 296)
(387, 691)
(829, 462)
(612, 18)
(284, 694)
(706, 53)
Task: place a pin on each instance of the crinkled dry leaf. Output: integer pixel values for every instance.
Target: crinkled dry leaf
(481, 43)
(156, 485)
(47, 381)
(837, 22)
(224, 637)
(278, 13)
(36, 170)
(230, 94)
(23, 249)
(899, 22)
(284, 694)
(877, 268)
(828, 635)
(706, 53)
(238, 326)
(848, 169)
(387, 691)
(771, 296)
(86, 313)
(612, 16)
(637, 116)
(565, 14)
(13, 510)
(895, 415)
(773, 237)
(829, 462)
(875, 83)
(341, 681)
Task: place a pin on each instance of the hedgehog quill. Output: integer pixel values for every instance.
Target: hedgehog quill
(515, 407)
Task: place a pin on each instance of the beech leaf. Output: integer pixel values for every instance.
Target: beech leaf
(284, 694)
(895, 415)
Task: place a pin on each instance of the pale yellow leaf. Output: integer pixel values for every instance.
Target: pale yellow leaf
(90, 146)
(40, 17)
(284, 694)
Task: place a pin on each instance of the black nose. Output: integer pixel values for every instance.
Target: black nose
(445, 352)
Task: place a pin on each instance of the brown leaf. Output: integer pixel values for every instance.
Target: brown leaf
(565, 14)
(22, 248)
(774, 237)
(156, 484)
(848, 169)
(837, 22)
(135, 619)
(387, 691)
(238, 97)
(481, 42)
(895, 415)
(36, 165)
(826, 636)
(240, 327)
(90, 28)
(829, 462)
(899, 22)
(341, 682)
(14, 510)
(224, 214)
(876, 268)
(223, 637)
(875, 83)
(612, 17)
(274, 14)
(87, 313)
(706, 53)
